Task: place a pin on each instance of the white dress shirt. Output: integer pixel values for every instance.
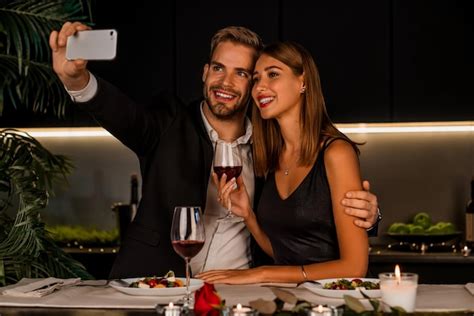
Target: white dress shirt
(227, 243)
(85, 94)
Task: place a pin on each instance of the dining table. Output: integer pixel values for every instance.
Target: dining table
(102, 299)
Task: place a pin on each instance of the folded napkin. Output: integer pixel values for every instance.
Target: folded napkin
(39, 288)
(470, 288)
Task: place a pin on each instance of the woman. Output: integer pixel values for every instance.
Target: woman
(308, 165)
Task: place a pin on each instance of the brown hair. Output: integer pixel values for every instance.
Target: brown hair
(315, 123)
(238, 35)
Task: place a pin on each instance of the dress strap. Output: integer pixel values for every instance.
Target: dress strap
(329, 141)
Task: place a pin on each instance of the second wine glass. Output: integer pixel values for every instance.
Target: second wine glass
(187, 238)
(228, 161)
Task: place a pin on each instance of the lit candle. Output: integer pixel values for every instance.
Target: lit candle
(320, 310)
(172, 310)
(240, 310)
(399, 289)
(397, 274)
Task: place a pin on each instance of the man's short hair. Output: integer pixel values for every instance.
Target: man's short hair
(237, 35)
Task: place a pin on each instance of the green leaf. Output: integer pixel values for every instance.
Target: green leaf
(28, 172)
(25, 63)
(374, 302)
(354, 304)
(1, 100)
(284, 295)
(397, 310)
(301, 306)
(2, 273)
(264, 306)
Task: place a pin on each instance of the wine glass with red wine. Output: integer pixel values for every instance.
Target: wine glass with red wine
(187, 238)
(228, 161)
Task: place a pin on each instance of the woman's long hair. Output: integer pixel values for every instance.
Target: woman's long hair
(315, 124)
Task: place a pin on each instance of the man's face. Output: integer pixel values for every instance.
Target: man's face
(227, 80)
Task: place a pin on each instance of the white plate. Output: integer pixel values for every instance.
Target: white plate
(194, 285)
(318, 289)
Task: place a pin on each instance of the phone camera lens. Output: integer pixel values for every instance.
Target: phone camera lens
(111, 33)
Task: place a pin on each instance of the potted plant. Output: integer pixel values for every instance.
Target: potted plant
(28, 171)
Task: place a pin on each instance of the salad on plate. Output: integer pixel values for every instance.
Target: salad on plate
(167, 285)
(339, 287)
(351, 284)
(166, 281)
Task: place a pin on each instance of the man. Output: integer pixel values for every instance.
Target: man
(174, 144)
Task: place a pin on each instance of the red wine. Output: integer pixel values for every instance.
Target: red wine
(187, 248)
(231, 172)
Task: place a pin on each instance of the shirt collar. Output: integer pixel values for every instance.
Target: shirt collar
(244, 139)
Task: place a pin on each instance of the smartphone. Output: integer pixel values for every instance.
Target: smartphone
(92, 45)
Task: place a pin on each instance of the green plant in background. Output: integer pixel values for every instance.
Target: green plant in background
(27, 169)
(82, 236)
(28, 172)
(26, 76)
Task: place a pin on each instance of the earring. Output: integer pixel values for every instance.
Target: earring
(303, 89)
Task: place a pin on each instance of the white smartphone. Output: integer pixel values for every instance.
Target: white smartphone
(92, 45)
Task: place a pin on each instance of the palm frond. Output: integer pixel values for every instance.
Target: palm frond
(40, 90)
(28, 23)
(25, 58)
(28, 172)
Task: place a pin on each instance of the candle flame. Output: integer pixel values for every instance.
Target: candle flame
(320, 308)
(397, 274)
(239, 306)
(171, 305)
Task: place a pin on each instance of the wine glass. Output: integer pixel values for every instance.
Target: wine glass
(227, 160)
(187, 238)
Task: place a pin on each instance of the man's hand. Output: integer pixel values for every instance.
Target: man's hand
(362, 204)
(72, 73)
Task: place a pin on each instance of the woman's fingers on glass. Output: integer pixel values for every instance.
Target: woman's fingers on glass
(215, 179)
(223, 180)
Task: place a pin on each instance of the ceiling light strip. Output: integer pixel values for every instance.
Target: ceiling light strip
(362, 128)
(406, 129)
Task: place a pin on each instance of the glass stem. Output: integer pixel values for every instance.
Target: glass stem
(188, 277)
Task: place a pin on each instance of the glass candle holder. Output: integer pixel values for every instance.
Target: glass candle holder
(466, 251)
(241, 310)
(169, 309)
(399, 290)
(321, 310)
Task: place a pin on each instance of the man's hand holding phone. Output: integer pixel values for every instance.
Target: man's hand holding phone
(74, 45)
(73, 73)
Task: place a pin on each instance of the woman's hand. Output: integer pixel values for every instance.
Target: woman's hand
(233, 195)
(247, 276)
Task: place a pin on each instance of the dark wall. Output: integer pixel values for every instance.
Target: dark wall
(380, 61)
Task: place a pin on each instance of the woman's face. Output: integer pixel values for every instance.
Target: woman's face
(276, 90)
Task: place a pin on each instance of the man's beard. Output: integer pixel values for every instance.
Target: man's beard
(220, 110)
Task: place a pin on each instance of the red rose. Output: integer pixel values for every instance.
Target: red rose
(206, 301)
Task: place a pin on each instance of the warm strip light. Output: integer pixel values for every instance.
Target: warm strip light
(418, 127)
(66, 132)
(361, 128)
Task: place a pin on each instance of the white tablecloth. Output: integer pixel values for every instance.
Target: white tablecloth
(429, 298)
